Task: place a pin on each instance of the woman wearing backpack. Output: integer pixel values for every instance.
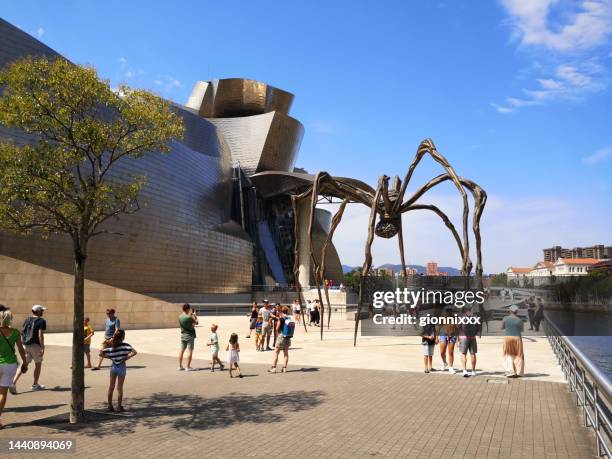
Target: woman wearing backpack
(285, 327)
(8, 358)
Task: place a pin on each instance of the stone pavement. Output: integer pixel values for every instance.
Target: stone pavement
(308, 412)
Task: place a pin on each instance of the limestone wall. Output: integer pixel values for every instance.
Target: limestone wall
(24, 284)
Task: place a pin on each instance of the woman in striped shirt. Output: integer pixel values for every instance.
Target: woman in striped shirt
(118, 352)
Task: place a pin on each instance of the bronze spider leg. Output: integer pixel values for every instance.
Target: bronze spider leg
(480, 200)
(427, 146)
(316, 265)
(400, 240)
(335, 221)
(368, 253)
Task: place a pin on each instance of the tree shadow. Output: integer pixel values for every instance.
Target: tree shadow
(32, 409)
(189, 412)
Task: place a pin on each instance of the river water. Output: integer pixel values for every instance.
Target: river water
(591, 333)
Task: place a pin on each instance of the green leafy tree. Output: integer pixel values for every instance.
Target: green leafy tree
(351, 280)
(62, 181)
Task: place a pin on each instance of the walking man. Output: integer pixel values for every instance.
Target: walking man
(33, 337)
(111, 325)
(187, 321)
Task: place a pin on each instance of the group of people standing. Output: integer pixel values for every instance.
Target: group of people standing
(448, 335)
(270, 323)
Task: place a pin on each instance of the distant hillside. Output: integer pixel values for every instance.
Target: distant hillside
(420, 269)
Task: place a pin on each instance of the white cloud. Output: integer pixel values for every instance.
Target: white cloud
(123, 60)
(573, 76)
(40, 32)
(129, 74)
(569, 83)
(587, 28)
(597, 157)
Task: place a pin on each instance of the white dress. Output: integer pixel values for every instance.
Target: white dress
(232, 356)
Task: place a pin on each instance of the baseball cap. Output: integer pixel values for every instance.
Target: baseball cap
(265, 300)
(513, 308)
(38, 307)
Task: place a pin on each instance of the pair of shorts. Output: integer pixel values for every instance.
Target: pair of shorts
(7, 373)
(265, 331)
(450, 339)
(33, 352)
(252, 325)
(118, 369)
(86, 348)
(187, 344)
(428, 348)
(283, 343)
(468, 344)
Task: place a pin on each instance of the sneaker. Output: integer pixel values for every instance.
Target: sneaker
(95, 369)
(13, 389)
(473, 373)
(212, 370)
(268, 348)
(110, 408)
(426, 371)
(272, 370)
(180, 369)
(222, 367)
(452, 371)
(120, 409)
(443, 367)
(284, 370)
(466, 374)
(37, 387)
(190, 369)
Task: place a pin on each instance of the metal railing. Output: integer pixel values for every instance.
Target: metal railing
(593, 390)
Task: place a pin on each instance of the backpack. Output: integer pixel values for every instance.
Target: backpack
(27, 332)
(288, 327)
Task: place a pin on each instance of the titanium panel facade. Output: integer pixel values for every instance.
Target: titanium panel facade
(170, 245)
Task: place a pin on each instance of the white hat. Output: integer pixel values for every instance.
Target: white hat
(513, 308)
(38, 307)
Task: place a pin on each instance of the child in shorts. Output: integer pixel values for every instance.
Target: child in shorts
(214, 348)
(258, 338)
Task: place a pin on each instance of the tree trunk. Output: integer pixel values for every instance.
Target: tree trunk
(77, 402)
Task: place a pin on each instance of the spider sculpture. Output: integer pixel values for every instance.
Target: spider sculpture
(387, 205)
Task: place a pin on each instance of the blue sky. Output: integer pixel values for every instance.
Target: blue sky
(515, 93)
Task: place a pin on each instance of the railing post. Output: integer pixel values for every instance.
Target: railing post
(596, 426)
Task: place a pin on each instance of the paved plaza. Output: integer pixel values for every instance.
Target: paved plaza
(349, 405)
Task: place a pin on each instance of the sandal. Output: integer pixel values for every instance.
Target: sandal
(110, 408)
(120, 409)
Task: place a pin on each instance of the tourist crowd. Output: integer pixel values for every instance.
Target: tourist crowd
(273, 326)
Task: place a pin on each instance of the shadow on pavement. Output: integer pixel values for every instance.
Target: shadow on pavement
(32, 409)
(189, 411)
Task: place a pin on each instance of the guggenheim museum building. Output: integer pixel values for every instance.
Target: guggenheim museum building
(215, 223)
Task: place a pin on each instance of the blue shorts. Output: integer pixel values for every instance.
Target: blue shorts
(450, 339)
(118, 370)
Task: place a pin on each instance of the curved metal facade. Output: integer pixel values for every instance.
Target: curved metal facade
(171, 245)
(185, 240)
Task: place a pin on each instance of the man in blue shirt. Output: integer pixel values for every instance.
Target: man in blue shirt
(111, 324)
